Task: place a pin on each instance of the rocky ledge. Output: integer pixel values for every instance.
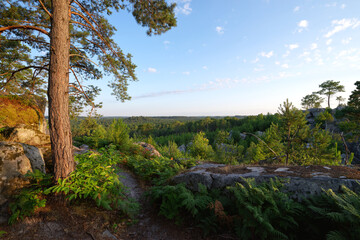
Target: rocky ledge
(300, 181)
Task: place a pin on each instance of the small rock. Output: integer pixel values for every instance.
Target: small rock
(256, 169)
(342, 177)
(328, 168)
(281, 169)
(108, 234)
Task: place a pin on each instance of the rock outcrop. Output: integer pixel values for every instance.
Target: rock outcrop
(26, 134)
(298, 187)
(16, 159)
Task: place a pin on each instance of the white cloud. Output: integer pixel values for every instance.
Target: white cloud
(329, 49)
(182, 6)
(258, 69)
(186, 73)
(286, 54)
(303, 24)
(166, 42)
(331, 4)
(343, 6)
(205, 67)
(297, 8)
(328, 42)
(267, 55)
(285, 65)
(277, 63)
(343, 24)
(256, 60)
(292, 46)
(219, 30)
(313, 46)
(346, 40)
(152, 70)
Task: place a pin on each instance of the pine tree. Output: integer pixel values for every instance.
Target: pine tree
(78, 32)
(330, 88)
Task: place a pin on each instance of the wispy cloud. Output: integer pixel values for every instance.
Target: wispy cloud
(313, 46)
(343, 24)
(205, 67)
(285, 65)
(152, 70)
(182, 6)
(163, 93)
(166, 42)
(343, 6)
(292, 46)
(296, 9)
(346, 40)
(267, 55)
(186, 73)
(328, 42)
(219, 30)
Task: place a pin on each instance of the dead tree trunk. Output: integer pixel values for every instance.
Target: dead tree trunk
(58, 90)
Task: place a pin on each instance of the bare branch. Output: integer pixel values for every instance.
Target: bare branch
(262, 142)
(81, 90)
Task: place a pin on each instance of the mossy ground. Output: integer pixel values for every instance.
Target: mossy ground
(16, 110)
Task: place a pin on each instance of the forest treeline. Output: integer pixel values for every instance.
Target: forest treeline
(283, 138)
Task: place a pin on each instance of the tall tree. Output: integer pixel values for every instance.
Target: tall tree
(329, 88)
(73, 34)
(311, 101)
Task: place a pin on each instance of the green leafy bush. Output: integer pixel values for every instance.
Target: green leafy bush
(95, 177)
(158, 170)
(30, 198)
(200, 147)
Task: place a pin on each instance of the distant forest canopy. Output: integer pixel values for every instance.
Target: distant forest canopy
(289, 136)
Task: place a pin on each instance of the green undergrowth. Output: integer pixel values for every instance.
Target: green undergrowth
(156, 170)
(261, 211)
(95, 178)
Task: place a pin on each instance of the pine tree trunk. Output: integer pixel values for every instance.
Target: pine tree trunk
(58, 90)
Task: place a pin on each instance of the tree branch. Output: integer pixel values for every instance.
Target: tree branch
(3, 29)
(19, 70)
(82, 90)
(46, 10)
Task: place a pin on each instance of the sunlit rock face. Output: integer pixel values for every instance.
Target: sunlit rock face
(26, 134)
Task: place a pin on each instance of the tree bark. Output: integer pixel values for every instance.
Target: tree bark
(58, 90)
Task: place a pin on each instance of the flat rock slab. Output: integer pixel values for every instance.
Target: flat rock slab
(301, 181)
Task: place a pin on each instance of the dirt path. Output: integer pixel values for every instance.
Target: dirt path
(150, 226)
(85, 221)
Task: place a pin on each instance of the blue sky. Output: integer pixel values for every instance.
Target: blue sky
(238, 57)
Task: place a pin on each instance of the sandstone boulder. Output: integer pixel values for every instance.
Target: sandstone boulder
(150, 148)
(16, 159)
(28, 135)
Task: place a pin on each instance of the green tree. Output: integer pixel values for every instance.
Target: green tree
(354, 102)
(330, 88)
(340, 99)
(311, 101)
(200, 147)
(81, 33)
(293, 129)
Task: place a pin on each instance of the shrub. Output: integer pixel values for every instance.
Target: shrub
(95, 177)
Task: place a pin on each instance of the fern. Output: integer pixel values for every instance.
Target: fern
(264, 212)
